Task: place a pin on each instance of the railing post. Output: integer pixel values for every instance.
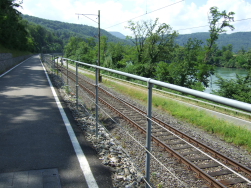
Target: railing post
(61, 64)
(54, 64)
(77, 85)
(149, 131)
(67, 73)
(51, 64)
(41, 55)
(97, 78)
(57, 65)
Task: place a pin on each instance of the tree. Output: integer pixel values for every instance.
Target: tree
(71, 48)
(12, 32)
(216, 28)
(39, 39)
(186, 68)
(238, 89)
(115, 53)
(81, 50)
(154, 42)
(139, 36)
(190, 66)
(84, 53)
(243, 59)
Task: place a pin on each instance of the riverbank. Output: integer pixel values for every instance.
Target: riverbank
(226, 73)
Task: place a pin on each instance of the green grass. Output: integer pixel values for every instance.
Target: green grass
(225, 130)
(200, 102)
(15, 53)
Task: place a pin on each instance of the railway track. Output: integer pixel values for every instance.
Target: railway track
(216, 169)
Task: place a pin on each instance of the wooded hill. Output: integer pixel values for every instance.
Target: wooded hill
(238, 40)
(118, 34)
(66, 30)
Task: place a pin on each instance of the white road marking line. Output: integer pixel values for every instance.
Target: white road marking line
(78, 150)
(13, 67)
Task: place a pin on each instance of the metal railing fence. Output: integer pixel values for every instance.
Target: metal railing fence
(55, 60)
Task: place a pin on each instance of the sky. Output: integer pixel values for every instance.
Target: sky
(184, 16)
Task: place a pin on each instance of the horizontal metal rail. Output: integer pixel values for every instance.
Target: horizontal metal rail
(180, 97)
(148, 131)
(200, 174)
(222, 100)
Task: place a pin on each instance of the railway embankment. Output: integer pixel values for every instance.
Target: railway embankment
(231, 128)
(200, 135)
(131, 136)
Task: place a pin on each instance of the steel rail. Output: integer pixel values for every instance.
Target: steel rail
(175, 96)
(209, 179)
(216, 154)
(199, 173)
(222, 100)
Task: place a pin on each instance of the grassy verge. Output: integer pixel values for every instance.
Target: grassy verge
(227, 131)
(15, 53)
(199, 102)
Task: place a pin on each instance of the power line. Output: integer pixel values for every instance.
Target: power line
(146, 6)
(165, 6)
(145, 14)
(242, 19)
(88, 17)
(208, 25)
(193, 27)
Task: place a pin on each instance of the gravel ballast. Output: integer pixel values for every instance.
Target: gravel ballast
(118, 150)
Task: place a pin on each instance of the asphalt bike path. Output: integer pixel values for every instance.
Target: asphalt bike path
(40, 143)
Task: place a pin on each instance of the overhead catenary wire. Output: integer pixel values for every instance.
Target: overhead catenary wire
(145, 14)
(155, 11)
(208, 25)
(166, 7)
(146, 6)
(88, 17)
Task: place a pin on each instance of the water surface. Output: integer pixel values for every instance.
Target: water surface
(226, 73)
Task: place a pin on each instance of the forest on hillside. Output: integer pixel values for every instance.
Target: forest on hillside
(67, 30)
(17, 33)
(238, 40)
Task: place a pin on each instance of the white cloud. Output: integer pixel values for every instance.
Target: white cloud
(179, 16)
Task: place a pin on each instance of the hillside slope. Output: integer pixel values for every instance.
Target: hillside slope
(238, 40)
(118, 34)
(66, 30)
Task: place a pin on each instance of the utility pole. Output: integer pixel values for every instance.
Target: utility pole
(98, 63)
(99, 76)
(97, 72)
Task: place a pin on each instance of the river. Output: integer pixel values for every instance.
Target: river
(226, 73)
